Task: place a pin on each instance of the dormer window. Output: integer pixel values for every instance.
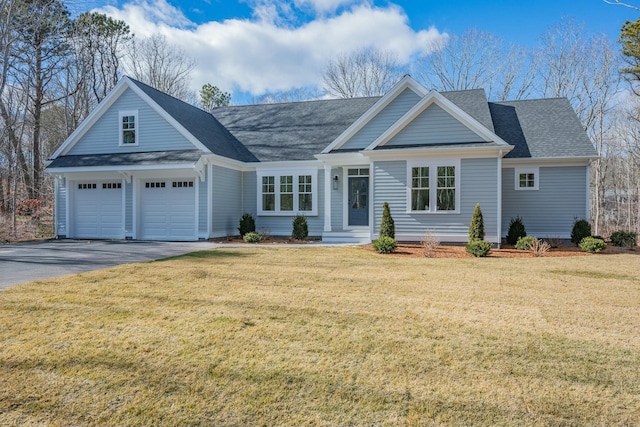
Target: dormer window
(128, 128)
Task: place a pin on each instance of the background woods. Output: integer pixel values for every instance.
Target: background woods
(56, 67)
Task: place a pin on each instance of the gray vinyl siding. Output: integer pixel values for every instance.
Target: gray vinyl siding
(227, 201)
(249, 193)
(128, 209)
(433, 126)
(337, 221)
(155, 133)
(283, 225)
(551, 210)
(381, 122)
(61, 208)
(203, 218)
(478, 185)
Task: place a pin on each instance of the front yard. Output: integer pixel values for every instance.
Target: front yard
(331, 336)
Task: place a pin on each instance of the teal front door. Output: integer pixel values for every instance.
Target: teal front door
(358, 201)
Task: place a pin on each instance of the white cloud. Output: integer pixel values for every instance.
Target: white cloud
(264, 54)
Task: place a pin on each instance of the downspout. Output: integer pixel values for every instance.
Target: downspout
(499, 199)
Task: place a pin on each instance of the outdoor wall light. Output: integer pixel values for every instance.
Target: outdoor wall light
(335, 182)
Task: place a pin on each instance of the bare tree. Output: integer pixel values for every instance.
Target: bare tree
(619, 3)
(163, 66)
(365, 72)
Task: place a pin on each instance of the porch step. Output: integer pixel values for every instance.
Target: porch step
(347, 236)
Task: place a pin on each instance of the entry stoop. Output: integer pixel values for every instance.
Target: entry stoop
(347, 236)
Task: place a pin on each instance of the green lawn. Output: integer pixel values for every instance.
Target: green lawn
(326, 336)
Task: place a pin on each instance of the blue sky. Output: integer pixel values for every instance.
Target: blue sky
(250, 47)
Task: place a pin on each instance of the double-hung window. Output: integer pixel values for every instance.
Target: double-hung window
(527, 178)
(287, 193)
(434, 186)
(128, 128)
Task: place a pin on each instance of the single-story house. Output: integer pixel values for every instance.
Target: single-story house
(145, 165)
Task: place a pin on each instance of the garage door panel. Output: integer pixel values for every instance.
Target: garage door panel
(167, 212)
(98, 210)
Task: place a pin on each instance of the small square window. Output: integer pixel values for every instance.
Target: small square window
(526, 179)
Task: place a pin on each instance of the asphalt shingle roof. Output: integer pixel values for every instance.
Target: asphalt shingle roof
(202, 125)
(127, 159)
(541, 128)
(294, 130)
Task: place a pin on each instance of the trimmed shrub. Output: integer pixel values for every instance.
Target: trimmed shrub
(593, 245)
(581, 229)
(476, 228)
(624, 238)
(524, 243)
(252, 237)
(247, 224)
(300, 227)
(385, 245)
(478, 248)
(516, 230)
(387, 225)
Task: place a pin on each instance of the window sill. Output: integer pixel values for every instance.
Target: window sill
(287, 214)
(457, 212)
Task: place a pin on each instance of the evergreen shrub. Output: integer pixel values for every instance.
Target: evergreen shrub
(476, 228)
(592, 244)
(478, 248)
(247, 224)
(252, 237)
(516, 230)
(385, 245)
(624, 238)
(581, 229)
(524, 243)
(300, 228)
(387, 225)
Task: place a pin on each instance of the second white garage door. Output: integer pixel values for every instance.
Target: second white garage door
(167, 209)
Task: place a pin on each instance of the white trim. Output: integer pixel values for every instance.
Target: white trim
(433, 165)
(295, 173)
(547, 162)
(328, 189)
(124, 207)
(210, 198)
(126, 168)
(433, 97)
(407, 82)
(499, 197)
(535, 170)
(135, 202)
(345, 197)
(339, 159)
(433, 152)
(136, 126)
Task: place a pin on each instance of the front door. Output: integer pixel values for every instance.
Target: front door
(358, 201)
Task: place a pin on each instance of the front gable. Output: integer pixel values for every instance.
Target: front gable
(434, 121)
(153, 132)
(99, 133)
(386, 111)
(434, 126)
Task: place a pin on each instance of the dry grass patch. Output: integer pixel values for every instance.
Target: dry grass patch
(326, 336)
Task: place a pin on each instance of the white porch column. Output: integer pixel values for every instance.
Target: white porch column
(328, 188)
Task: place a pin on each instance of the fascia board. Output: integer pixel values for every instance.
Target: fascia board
(92, 118)
(548, 161)
(433, 97)
(407, 82)
(456, 152)
(225, 162)
(190, 165)
(338, 159)
(289, 164)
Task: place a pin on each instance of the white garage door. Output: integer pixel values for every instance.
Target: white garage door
(98, 210)
(167, 209)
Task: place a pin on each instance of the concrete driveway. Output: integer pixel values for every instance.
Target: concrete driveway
(23, 262)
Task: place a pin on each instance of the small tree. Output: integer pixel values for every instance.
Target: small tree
(387, 226)
(247, 224)
(476, 228)
(581, 229)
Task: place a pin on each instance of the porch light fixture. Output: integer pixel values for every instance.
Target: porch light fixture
(335, 182)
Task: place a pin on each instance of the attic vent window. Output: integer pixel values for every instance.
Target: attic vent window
(128, 128)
